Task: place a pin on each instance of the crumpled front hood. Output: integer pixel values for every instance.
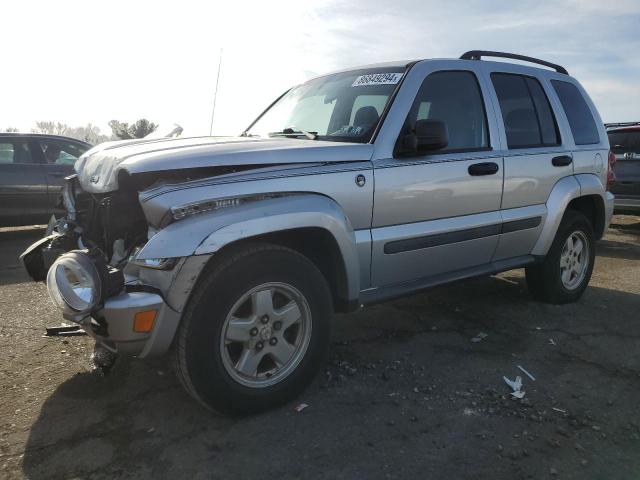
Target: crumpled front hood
(98, 168)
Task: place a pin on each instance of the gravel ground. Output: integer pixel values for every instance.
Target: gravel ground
(410, 390)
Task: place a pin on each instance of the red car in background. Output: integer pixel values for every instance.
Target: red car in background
(624, 139)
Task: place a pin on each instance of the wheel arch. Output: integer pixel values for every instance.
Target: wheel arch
(313, 225)
(315, 243)
(584, 193)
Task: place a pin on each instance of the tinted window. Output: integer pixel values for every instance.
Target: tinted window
(455, 99)
(583, 127)
(621, 141)
(16, 151)
(548, 127)
(527, 116)
(61, 153)
(6, 152)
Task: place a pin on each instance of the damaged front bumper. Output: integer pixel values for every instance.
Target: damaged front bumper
(135, 318)
(115, 325)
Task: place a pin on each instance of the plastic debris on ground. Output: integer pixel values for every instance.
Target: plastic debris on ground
(552, 341)
(65, 331)
(516, 386)
(479, 337)
(301, 407)
(521, 368)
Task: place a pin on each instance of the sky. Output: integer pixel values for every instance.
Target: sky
(80, 62)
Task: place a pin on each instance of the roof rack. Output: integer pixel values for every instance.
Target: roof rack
(622, 124)
(478, 54)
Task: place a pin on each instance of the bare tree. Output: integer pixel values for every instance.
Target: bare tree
(140, 129)
(89, 133)
(11, 130)
(51, 128)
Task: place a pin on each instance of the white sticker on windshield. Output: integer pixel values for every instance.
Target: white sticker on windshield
(377, 79)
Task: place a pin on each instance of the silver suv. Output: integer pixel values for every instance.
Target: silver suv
(350, 189)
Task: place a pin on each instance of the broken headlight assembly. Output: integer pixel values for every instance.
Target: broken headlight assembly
(156, 263)
(79, 281)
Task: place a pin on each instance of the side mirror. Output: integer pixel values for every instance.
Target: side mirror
(428, 135)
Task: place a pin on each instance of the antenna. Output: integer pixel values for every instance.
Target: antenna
(215, 94)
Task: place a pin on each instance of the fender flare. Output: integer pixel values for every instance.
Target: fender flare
(565, 190)
(207, 233)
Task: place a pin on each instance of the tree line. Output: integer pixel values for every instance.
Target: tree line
(91, 133)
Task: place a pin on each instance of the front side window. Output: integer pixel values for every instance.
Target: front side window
(61, 153)
(339, 107)
(526, 113)
(583, 126)
(454, 98)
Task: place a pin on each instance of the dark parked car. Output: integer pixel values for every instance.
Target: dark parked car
(624, 139)
(32, 171)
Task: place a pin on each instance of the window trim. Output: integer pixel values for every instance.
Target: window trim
(487, 148)
(560, 141)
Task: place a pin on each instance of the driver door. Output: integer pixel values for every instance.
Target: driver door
(438, 213)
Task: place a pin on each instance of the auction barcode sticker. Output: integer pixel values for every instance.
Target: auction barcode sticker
(377, 79)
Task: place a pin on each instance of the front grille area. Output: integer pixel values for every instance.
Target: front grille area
(106, 218)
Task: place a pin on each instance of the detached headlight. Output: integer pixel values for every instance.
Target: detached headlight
(74, 283)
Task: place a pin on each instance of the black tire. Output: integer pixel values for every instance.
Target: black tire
(544, 279)
(197, 353)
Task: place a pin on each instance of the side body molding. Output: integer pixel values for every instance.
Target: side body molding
(206, 233)
(565, 190)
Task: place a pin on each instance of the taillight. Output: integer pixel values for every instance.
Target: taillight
(611, 177)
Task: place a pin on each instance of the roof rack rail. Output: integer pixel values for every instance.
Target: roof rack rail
(478, 54)
(621, 124)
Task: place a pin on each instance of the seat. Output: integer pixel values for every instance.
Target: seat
(366, 117)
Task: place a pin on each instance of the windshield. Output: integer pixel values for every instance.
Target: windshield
(343, 107)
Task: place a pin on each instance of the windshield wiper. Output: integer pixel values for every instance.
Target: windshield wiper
(293, 130)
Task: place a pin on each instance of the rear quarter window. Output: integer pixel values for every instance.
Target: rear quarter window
(583, 126)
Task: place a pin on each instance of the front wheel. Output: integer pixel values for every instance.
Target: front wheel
(566, 270)
(255, 330)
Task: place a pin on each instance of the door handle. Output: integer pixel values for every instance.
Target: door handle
(561, 161)
(486, 168)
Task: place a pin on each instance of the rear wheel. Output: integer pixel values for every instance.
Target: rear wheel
(566, 270)
(255, 330)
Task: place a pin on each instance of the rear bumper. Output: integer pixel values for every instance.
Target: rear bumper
(113, 325)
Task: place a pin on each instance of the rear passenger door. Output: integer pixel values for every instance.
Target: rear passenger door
(23, 185)
(535, 158)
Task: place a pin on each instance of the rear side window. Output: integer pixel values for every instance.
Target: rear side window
(6, 153)
(454, 98)
(583, 126)
(16, 151)
(526, 113)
